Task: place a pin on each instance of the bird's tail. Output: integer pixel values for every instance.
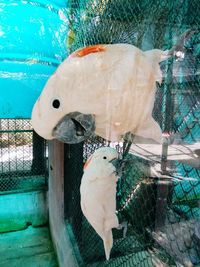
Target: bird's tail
(108, 243)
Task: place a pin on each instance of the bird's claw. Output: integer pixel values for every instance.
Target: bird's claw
(124, 226)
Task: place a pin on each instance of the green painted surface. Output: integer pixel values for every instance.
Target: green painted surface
(31, 247)
(17, 211)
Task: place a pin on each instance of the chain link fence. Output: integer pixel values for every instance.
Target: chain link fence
(162, 217)
(23, 157)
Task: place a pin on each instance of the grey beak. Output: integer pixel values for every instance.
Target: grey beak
(115, 162)
(120, 165)
(74, 128)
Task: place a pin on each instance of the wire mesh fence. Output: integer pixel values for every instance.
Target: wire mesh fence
(23, 156)
(162, 217)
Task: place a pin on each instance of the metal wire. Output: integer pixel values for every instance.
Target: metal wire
(162, 216)
(23, 157)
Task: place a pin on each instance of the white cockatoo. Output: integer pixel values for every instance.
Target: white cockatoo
(106, 89)
(98, 194)
(103, 89)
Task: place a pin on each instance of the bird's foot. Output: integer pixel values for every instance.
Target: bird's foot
(124, 226)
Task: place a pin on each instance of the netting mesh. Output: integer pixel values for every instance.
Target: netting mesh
(163, 218)
(23, 156)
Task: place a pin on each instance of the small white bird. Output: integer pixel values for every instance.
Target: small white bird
(98, 194)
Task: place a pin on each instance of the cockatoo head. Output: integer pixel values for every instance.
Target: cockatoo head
(50, 120)
(103, 156)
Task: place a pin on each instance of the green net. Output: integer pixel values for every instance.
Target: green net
(23, 157)
(162, 217)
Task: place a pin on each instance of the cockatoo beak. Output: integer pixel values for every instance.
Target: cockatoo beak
(120, 165)
(74, 128)
(115, 162)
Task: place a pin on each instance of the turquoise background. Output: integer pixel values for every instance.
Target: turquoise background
(32, 45)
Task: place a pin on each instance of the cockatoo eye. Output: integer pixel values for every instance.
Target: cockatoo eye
(104, 157)
(56, 103)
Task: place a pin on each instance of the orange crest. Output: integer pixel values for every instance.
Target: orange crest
(87, 162)
(88, 50)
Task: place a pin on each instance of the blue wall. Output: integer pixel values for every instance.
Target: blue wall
(32, 45)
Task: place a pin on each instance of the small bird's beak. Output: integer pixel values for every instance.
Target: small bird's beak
(74, 128)
(120, 165)
(115, 162)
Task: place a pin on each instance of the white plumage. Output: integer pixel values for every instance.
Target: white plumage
(116, 83)
(98, 194)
